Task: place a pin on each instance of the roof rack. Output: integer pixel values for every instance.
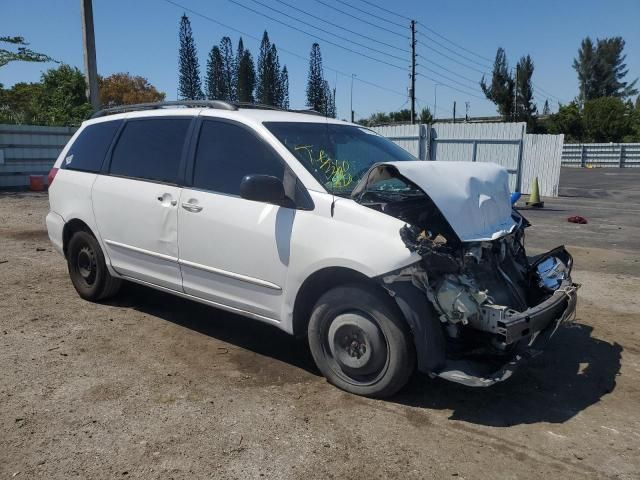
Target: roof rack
(217, 104)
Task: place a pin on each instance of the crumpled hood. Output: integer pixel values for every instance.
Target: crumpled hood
(473, 197)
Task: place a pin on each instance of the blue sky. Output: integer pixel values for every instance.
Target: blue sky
(141, 37)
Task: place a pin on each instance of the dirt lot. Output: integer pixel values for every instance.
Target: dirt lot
(151, 386)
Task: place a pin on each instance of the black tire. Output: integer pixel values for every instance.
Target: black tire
(88, 270)
(360, 341)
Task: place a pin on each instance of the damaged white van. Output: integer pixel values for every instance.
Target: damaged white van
(319, 227)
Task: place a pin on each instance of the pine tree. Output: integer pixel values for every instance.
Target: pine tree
(264, 90)
(284, 85)
(500, 91)
(601, 69)
(526, 108)
(214, 82)
(546, 110)
(275, 74)
(189, 84)
(315, 82)
(228, 69)
(238, 59)
(246, 76)
(329, 108)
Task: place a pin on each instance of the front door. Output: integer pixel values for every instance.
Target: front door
(136, 203)
(233, 251)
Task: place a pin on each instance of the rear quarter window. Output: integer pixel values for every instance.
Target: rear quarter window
(88, 151)
(150, 149)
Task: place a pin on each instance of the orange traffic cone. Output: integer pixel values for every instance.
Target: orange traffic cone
(534, 197)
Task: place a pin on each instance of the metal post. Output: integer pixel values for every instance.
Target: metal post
(435, 99)
(89, 45)
(583, 156)
(515, 98)
(520, 155)
(352, 75)
(621, 162)
(454, 111)
(413, 72)
(475, 151)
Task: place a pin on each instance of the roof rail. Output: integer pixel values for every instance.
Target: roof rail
(219, 104)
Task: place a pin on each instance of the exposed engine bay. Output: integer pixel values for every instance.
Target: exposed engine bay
(492, 301)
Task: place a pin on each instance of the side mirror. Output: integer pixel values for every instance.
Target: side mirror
(264, 188)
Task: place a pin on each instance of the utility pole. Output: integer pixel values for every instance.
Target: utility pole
(435, 100)
(466, 113)
(412, 91)
(454, 111)
(89, 47)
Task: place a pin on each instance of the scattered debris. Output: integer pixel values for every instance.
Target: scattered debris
(4, 261)
(40, 249)
(577, 219)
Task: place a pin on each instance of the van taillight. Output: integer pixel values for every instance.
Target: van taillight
(52, 175)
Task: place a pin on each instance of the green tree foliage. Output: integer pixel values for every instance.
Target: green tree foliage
(425, 116)
(246, 74)
(500, 91)
(214, 81)
(59, 99)
(526, 109)
(228, 70)
(20, 104)
(315, 81)
(546, 110)
(20, 52)
(64, 99)
(284, 84)
(401, 116)
(568, 120)
(601, 69)
(189, 84)
(606, 119)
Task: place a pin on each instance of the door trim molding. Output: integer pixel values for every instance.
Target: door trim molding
(236, 276)
(161, 256)
(221, 306)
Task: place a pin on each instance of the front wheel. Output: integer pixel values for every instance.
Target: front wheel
(360, 342)
(87, 268)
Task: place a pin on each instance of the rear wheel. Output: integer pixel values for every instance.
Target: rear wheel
(87, 268)
(360, 342)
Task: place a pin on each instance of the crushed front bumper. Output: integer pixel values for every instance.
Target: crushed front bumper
(538, 323)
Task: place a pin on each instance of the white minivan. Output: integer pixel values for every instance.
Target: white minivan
(319, 227)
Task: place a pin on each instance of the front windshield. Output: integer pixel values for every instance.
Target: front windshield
(337, 155)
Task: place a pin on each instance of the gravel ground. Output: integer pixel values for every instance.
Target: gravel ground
(152, 386)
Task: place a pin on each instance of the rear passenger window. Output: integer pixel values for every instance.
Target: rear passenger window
(226, 153)
(150, 149)
(88, 151)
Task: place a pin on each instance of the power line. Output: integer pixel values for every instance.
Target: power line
(317, 36)
(450, 86)
(470, 80)
(343, 28)
(363, 21)
(457, 45)
(294, 54)
(451, 50)
(370, 14)
(327, 32)
(385, 10)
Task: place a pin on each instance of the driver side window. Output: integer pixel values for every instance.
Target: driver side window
(226, 153)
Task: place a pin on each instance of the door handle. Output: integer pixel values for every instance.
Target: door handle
(191, 207)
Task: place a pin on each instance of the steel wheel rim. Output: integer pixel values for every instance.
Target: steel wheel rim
(86, 265)
(356, 347)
